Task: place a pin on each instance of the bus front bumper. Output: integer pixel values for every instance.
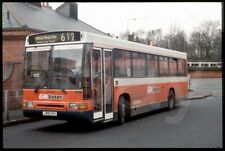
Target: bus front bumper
(61, 115)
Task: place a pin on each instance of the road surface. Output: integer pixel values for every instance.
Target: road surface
(194, 123)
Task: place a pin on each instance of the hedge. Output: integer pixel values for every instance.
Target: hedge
(192, 69)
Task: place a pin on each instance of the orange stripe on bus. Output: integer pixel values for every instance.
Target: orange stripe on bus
(146, 94)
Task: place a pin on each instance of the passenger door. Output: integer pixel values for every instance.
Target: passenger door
(108, 84)
(102, 83)
(97, 86)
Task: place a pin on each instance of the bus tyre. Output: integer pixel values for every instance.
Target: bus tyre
(121, 111)
(171, 100)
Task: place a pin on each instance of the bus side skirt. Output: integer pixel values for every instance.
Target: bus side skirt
(148, 108)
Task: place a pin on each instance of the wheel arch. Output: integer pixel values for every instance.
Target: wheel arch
(127, 102)
(172, 89)
(169, 99)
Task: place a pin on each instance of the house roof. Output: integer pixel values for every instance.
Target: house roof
(45, 19)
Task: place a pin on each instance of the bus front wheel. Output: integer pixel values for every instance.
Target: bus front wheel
(121, 111)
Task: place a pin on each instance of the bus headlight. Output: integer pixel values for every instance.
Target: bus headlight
(30, 104)
(82, 106)
(73, 106)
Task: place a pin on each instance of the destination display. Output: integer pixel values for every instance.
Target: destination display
(54, 37)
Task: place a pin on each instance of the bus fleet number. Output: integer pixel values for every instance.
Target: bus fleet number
(67, 37)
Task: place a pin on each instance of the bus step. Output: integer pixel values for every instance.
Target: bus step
(108, 120)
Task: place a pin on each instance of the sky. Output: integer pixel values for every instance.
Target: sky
(118, 17)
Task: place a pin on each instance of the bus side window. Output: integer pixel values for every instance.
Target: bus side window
(181, 67)
(163, 65)
(122, 63)
(152, 66)
(173, 66)
(138, 64)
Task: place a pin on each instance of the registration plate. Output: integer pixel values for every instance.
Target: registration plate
(49, 113)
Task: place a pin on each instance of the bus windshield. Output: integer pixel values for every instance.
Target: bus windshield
(60, 68)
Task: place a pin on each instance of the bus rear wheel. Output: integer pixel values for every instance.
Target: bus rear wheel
(121, 111)
(171, 100)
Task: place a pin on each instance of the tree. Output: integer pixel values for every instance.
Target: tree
(156, 37)
(140, 36)
(206, 40)
(176, 39)
(124, 35)
(137, 36)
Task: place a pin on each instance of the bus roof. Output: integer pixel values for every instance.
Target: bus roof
(110, 43)
(99, 40)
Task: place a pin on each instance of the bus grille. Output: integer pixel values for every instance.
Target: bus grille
(61, 106)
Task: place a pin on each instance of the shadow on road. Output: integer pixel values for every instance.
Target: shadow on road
(82, 127)
(152, 113)
(79, 127)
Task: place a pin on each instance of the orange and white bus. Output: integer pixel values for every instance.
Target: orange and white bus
(71, 75)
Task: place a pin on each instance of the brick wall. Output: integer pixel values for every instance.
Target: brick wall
(206, 74)
(13, 51)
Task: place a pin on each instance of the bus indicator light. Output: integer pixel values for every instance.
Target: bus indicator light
(73, 106)
(116, 83)
(82, 106)
(30, 104)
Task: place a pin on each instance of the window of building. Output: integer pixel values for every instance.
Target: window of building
(205, 65)
(138, 64)
(188, 64)
(122, 63)
(212, 64)
(152, 66)
(194, 64)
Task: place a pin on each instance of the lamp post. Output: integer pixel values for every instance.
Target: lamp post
(128, 24)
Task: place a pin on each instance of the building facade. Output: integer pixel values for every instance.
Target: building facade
(22, 19)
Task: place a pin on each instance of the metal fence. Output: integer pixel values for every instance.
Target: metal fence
(12, 105)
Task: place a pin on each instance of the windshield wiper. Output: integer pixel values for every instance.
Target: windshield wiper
(63, 90)
(39, 86)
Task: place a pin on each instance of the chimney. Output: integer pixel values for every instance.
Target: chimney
(137, 39)
(74, 10)
(68, 10)
(150, 42)
(131, 37)
(45, 4)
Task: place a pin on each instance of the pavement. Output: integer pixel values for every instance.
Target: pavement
(19, 121)
(192, 95)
